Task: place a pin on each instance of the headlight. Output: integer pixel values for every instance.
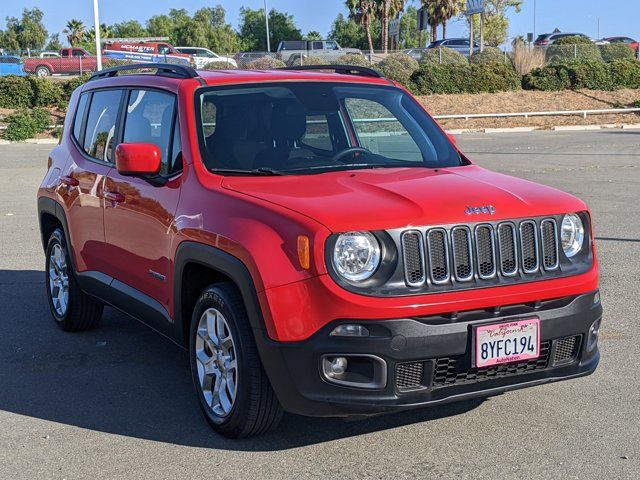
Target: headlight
(356, 256)
(571, 234)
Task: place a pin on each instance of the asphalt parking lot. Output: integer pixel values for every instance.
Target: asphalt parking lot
(117, 402)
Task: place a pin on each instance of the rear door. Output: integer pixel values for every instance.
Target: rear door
(139, 213)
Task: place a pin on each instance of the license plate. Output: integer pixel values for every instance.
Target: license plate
(507, 342)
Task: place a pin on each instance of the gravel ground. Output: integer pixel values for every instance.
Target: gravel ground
(117, 402)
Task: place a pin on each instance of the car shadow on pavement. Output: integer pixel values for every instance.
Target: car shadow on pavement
(124, 379)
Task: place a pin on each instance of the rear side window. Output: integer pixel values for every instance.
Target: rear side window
(99, 136)
(77, 121)
(150, 116)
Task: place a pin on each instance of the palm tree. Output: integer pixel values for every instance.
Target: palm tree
(440, 12)
(75, 32)
(363, 12)
(389, 9)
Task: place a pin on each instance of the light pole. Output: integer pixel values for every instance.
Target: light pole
(266, 21)
(534, 20)
(96, 21)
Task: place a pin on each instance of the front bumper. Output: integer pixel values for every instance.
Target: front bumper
(438, 355)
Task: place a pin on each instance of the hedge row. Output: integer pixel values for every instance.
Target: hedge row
(26, 124)
(28, 92)
(593, 75)
(475, 78)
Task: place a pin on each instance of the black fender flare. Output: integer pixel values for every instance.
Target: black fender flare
(51, 207)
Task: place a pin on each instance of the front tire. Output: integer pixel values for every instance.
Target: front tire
(71, 308)
(43, 71)
(233, 390)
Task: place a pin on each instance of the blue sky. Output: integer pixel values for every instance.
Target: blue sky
(621, 17)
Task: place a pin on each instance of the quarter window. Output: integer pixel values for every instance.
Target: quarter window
(77, 122)
(99, 135)
(150, 120)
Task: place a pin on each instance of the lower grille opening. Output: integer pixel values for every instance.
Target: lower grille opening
(409, 376)
(566, 350)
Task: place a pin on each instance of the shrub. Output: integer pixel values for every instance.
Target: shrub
(352, 59)
(20, 126)
(46, 92)
(563, 52)
(593, 75)
(72, 84)
(550, 78)
(15, 92)
(617, 51)
(219, 66)
(573, 40)
(494, 77)
(489, 55)
(294, 60)
(399, 67)
(625, 73)
(443, 56)
(41, 118)
(636, 104)
(433, 78)
(265, 63)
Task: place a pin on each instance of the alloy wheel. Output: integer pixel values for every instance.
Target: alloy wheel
(59, 280)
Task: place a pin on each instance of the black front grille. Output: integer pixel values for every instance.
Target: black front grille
(457, 370)
(438, 255)
(462, 263)
(549, 244)
(485, 251)
(413, 260)
(507, 246)
(529, 246)
(409, 375)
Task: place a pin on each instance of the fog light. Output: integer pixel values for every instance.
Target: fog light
(338, 366)
(594, 332)
(350, 330)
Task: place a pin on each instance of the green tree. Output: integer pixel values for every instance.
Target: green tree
(409, 35)
(75, 32)
(313, 35)
(364, 13)
(128, 29)
(89, 42)
(54, 42)
(29, 32)
(9, 40)
(440, 12)
(160, 26)
(282, 26)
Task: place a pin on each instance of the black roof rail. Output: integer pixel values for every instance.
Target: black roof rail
(163, 69)
(343, 69)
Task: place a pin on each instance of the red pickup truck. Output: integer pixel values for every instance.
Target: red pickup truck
(71, 61)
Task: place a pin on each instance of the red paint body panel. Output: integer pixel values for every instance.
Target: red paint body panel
(258, 220)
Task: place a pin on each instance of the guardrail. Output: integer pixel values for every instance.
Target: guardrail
(582, 113)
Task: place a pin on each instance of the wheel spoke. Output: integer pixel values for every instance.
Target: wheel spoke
(211, 326)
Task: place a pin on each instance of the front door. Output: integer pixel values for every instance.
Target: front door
(139, 213)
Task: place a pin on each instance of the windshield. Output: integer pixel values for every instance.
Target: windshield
(298, 128)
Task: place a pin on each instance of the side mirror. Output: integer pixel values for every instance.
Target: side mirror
(138, 159)
(452, 138)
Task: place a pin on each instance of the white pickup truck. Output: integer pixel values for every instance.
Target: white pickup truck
(328, 49)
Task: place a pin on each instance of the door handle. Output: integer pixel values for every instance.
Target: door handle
(114, 197)
(69, 181)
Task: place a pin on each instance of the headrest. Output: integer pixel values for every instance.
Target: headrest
(288, 122)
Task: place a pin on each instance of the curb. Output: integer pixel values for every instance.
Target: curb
(32, 141)
(559, 128)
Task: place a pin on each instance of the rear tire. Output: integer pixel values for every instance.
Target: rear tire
(71, 308)
(233, 390)
(43, 71)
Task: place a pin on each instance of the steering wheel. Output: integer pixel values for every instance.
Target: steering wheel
(348, 151)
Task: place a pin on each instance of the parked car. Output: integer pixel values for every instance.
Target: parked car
(71, 61)
(622, 40)
(204, 56)
(242, 58)
(547, 39)
(328, 49)
(309, 257)
(460, 45)
(139, 50)
(416, 53)
(11, 65)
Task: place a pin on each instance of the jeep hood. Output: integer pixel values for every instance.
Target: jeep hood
(400, 197)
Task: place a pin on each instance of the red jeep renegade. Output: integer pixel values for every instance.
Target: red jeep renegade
(315, 240)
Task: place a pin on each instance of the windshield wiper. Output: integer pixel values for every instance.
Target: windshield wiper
(261, 171)
(347, 166)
